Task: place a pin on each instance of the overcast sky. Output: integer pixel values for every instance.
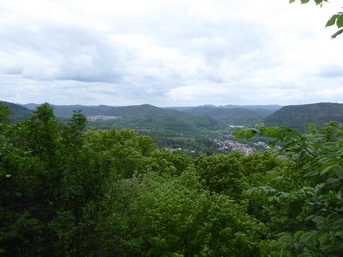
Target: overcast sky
(169, 52)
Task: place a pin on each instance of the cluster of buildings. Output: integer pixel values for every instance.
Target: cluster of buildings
(228, 145)
(102, 117)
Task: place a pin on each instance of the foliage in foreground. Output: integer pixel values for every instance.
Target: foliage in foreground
(66, 191)
(309, 194)
(336, 19)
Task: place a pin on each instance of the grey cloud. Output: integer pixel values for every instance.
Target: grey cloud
(331, 71)
(170, 54)
(64, 53)
(12, 70)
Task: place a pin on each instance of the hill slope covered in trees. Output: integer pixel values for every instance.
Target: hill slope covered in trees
(18, 112)
(231, 116)
(299, 117)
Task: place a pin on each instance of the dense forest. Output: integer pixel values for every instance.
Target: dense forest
(299, 117)
(72, 190)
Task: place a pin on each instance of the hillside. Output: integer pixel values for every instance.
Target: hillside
(18, 112)
(299, 117)
(215, 116)
(269, 108)
(231, 116)
(68, 110)
(151, 117)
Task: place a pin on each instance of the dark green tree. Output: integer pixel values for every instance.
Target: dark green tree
(52, 192)
(5, 113)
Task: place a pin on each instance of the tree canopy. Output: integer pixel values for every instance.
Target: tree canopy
(70, 190)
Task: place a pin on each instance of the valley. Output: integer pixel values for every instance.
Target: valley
(199, 129)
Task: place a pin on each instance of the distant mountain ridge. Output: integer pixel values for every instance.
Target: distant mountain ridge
(231, 116)
(68, 110)
(228, 114)
(299, 117)
(18, 112)
(151, 117)
(176, 119)
(190, 118)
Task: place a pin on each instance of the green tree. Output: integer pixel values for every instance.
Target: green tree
(52, 193)
(172, 216)
(5, 113)
(122, 152)
(313, 188)
(222, 173)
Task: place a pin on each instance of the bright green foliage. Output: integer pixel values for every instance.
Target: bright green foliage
(173, 216)
(123, 152)
(310, 193)
(233, 173)
(338, 20)
(222, 173)
(170, 162)
(335, 19)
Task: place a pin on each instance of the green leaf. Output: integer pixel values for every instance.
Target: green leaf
(322, 225)
(331, 21)
(337, 33)
(335, 168)
(272, 132)
(289, 145)
(292, 131)
(311, 174)
(304, 1)
(318, 219)
(291, 1)
(323, 239)
(339, 21)
(318, 2)
(286, 239)
(250, 133)
(339, 172)
(338, 224)
(333, 182)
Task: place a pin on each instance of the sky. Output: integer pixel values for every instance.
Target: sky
(169, 52)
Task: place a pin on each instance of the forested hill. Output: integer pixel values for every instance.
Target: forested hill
(68, 110)
(299, 117)
(18, 112)
(231, 116)
(183, 118)
(148, 117)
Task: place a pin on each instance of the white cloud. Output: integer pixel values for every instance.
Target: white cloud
(168, 52)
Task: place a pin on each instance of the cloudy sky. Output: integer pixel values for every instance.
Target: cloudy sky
(169, 52)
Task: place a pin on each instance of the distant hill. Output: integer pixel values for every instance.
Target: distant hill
(299, 117)
(205, 116)
(67, 111)
(19, 112)
(152, 117)
(270, 108)
(231, 116)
